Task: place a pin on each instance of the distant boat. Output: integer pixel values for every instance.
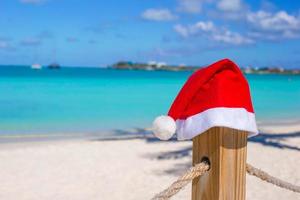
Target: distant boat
(36, 66)
(54, 66)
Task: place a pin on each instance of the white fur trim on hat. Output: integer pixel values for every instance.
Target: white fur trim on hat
(164, 127)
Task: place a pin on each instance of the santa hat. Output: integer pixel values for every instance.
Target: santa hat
(214, 96)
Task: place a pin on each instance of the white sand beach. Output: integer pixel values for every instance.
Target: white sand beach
(130, 169)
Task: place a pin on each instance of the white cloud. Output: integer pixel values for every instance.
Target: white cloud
(278, 21)
(203, 26)
(181, 30)
(232, 38)
(32, 1)
(260, 25)
(229, 5)
(158, 15)
(229, 9)
(210, 31)
(274, 26)
(190, 6)
(194, 29)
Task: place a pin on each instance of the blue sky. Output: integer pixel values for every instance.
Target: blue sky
(197, 32)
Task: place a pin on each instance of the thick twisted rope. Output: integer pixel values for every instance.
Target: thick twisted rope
(271, 179)
(203, 167)
(193, 172)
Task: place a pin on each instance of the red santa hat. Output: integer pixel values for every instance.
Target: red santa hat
(217, 95)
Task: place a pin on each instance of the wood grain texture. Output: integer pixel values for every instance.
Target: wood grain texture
(226, 149)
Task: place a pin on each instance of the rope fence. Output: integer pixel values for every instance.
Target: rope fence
(271, 179)
(204, 166)
(174, 188)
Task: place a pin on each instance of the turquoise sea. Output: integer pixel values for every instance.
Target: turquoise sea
(93, 100)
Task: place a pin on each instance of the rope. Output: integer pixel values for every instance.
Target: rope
(203, 167)
(271, 179)
(193, 172)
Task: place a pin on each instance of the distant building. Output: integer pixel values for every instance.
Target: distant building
(161, 64)
(152, 63)
(248, 70)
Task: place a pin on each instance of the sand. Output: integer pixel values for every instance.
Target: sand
(129, 169)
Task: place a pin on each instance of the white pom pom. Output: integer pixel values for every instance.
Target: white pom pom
(164, 127)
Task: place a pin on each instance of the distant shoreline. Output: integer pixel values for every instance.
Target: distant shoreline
(172, 68)
(124, 65)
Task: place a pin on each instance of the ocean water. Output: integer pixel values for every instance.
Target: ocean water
(90, 100)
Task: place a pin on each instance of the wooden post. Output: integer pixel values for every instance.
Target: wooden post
(226, 150)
